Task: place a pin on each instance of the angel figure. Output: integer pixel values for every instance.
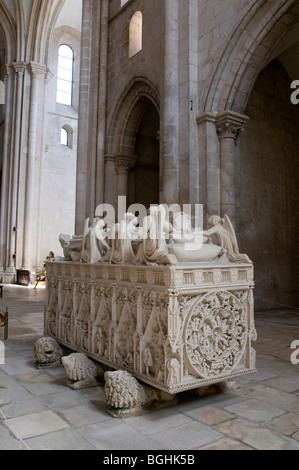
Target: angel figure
(225, 234)
(154, 249)
(122, 235)
(94, 244)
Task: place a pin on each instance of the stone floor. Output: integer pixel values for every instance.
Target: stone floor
(38, 411)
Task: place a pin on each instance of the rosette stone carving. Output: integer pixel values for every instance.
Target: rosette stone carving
(215, 335)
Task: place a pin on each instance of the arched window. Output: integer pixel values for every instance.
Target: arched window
(135, 34)
(64, 139)
(65, 73)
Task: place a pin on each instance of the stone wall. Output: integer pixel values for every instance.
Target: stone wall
(58, 187)
(269, 193)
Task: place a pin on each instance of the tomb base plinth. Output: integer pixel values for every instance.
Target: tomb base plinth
(175, 328)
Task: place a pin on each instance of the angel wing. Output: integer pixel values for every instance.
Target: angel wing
(86, 228)
(229, 228)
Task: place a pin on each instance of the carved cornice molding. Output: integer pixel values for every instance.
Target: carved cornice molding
(109, 158)
(124, 163)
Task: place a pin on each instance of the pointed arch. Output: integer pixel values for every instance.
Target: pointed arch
(246, 51)
(9, 29)
(128, 113)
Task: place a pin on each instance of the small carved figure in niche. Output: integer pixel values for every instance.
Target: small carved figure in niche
(148, 361)
(121, 352)
(225, 234)
(159, 364)
(81, 372)
(94, 244)
(129, 361)
(101, 342)
(173, 367)
(85, 337)
(156, 230)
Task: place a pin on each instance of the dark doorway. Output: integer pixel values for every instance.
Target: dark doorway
(144, 177)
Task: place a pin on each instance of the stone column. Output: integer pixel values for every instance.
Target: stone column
(5, 185)
(170, 105)
(209, 175)
(102, 100)
(229, 125)
(83, 126)
(38, 73)
(15, 165)
(110, 177)
(123, 164)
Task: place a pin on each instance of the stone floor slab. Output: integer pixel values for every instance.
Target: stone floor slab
(278, 398)
(283, 384)
(209, 415)
(23, 408)
(225, 444)
(8, 441)
(288, 424)
(256, 436)
(62, 400)
(187, 436)
(114, 435)
(17, 365)
(255, 410)
(159, 421)
(37, 424)
(62, 440)
(84, 415)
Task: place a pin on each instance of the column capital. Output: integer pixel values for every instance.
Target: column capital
(18, 67)
(38, 70)
(229, 124)
(124, 163)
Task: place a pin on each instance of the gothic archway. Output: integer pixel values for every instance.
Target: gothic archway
(135, 120)
(247, 50)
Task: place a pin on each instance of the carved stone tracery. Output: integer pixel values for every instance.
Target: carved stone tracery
(216, 334)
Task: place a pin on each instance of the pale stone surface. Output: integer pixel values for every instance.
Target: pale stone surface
(113, 435)
(225, 444)
(62, 399)
(209, 415)
(103, 308)
(37, 424)
(187, 436)
(257, 436)
(60, 440)
(8, 441)
(255, 410)
(159, 421)
(287, 424)
(87, 413)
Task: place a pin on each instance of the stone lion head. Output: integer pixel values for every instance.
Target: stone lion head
(47, 351)
(79, 367)
(122, 390)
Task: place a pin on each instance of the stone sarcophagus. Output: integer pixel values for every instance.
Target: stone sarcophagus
(176, 327)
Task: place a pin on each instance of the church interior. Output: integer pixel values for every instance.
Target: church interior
(176, 102)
